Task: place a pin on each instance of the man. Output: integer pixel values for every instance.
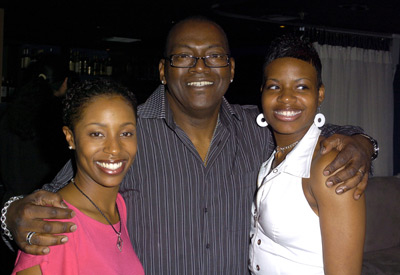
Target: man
(190, 189)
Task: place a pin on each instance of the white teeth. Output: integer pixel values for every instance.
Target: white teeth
(200, 83)
(288, 113)
(111, 166)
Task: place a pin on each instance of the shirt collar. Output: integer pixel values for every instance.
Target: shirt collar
(156, 107)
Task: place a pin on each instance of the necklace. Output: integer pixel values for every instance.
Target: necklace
(119, 241)
(283, 149)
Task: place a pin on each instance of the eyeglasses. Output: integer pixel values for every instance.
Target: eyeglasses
(189, 61)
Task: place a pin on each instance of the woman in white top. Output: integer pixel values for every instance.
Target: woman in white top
(299, 226)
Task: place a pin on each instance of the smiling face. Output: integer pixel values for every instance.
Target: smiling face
(290, 97)
(198, 88)
(104, 139)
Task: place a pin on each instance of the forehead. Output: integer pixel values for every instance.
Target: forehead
(102, 105)
(196, 34)
(291, 64)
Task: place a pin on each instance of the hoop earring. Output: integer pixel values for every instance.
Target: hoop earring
(261, 120)
(319, 120)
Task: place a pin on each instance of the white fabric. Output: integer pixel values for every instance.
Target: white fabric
(359, 91)
(285, 232)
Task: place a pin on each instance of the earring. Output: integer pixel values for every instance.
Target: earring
(70, 147)
(163, 82)
(231, 80)
(319, 119)
(261, 120)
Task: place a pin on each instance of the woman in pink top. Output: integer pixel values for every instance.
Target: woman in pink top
(100, 125)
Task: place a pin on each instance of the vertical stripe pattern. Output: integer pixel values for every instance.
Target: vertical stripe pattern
(184, 217)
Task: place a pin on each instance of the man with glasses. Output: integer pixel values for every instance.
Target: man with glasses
(190, 189)
(190, 61)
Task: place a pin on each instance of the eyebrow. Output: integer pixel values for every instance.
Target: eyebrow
(297, 80)
(191, 47)
(104, 125)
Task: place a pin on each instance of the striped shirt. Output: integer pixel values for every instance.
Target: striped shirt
(185, 217)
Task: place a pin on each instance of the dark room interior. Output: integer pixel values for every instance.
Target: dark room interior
(128, 36)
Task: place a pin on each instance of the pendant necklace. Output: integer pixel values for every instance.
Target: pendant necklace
(119, 240)
(283, 149)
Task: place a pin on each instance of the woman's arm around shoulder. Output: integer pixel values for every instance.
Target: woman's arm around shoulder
(342, 221)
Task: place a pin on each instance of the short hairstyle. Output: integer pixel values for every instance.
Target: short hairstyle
(194, 18)
(83, 93)
(293, 46)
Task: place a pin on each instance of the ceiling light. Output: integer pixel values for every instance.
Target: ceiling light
(121, 39)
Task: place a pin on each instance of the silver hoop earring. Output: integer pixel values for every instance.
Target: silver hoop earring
(261, 120)
(319, 120)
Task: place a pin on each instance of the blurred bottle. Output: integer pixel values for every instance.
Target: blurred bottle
(4, 90)
(10, 89)
(71, 62)
(77, 63)
(90, 66)
(96, 67)
(84, 65)
(25, 58)
(102, 66)
(108, 66)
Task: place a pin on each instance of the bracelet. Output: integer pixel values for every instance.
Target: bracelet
(374, 144)
(3, 215)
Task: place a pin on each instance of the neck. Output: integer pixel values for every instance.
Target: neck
(285, 144)
(198, 125)
(283, 140)
(103, 197)
(193, 117)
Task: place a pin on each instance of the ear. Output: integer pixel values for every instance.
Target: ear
(161, 69)
(321, 94)
(262, 86)
(69, 136)
(232, 64)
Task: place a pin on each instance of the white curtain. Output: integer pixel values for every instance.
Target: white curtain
(359, 91)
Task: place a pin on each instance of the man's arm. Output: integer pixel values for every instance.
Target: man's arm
(355, 156)
(27, 214)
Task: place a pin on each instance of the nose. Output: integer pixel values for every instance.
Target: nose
(286, 95)
(112, 146)
(200, 65)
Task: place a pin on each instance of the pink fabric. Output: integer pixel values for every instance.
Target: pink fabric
(91, 249)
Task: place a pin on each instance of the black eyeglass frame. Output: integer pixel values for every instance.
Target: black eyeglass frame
(228, 57)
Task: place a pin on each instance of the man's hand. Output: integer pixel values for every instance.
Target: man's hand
(354, 157)
(27, 214)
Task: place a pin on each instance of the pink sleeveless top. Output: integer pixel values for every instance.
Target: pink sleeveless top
(91, 249)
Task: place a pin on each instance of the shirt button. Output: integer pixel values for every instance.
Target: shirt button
(208, 246)
(258, 268)
(259, 242)
(275, 171)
